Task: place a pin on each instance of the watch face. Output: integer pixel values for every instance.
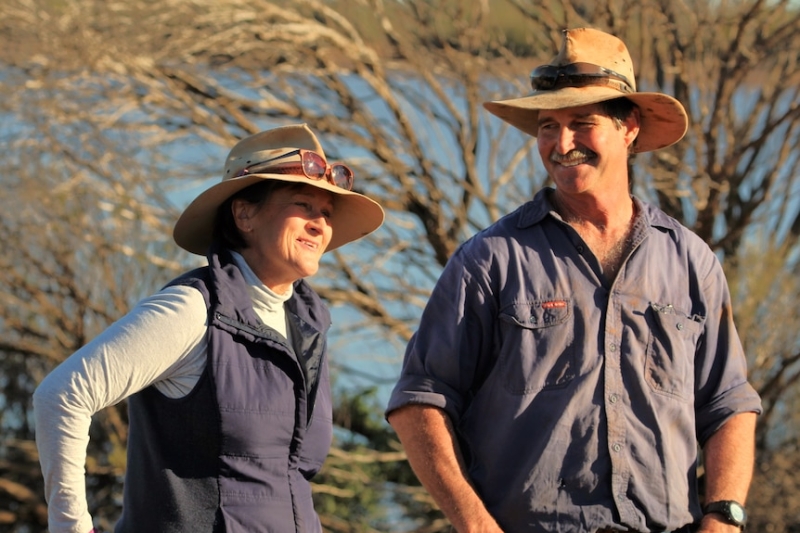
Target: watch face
(737, 513)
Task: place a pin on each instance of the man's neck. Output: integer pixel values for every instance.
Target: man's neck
(607, 214)
(606, 228)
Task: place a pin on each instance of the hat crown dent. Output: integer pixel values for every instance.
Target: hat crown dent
(587, 45)
(268, 144)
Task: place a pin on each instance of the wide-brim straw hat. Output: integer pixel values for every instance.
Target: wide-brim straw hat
(354, 215)
(663, 118)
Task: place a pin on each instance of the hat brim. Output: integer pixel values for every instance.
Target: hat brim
(354, 214)
(663, 118)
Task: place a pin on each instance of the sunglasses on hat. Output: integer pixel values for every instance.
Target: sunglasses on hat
(311, 165)
(551, 77)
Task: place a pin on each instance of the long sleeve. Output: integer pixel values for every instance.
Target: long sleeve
(160, 342)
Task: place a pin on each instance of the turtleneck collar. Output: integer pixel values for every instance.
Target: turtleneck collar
(267, 304)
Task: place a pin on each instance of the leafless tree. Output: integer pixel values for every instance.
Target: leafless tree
(114, 114)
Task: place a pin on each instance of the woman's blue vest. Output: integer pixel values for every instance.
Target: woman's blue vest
(237, 453)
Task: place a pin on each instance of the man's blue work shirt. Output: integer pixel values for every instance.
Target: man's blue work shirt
(578, 405)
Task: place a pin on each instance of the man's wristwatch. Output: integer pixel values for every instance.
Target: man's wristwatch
(731, 511)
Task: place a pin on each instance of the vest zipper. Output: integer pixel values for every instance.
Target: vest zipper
(310, 398)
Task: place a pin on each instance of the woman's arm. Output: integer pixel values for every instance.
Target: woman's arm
(156, 341)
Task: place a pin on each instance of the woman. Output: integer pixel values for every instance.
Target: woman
(226, 367)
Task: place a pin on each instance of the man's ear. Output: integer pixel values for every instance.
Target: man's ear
(632, 126)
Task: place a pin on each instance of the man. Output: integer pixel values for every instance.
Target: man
(574, 353)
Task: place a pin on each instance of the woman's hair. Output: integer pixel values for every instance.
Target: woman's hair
(226, 232)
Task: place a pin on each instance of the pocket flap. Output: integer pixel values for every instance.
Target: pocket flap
(537, 314)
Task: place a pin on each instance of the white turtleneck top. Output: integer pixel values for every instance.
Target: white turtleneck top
(160, 342)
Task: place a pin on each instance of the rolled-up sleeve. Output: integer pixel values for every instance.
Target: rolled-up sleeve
(453, 340)
(721, 386)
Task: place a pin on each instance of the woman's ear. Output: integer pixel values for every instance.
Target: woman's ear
(242, 215)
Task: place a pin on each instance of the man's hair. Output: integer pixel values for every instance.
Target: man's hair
(619, 109)
(226, 232)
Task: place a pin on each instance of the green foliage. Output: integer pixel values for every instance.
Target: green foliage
(357, 489)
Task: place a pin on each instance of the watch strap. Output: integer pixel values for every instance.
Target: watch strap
(732, 511)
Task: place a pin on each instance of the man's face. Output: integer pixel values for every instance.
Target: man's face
(583, 149)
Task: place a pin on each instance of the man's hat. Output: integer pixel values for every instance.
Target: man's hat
(593, 66)
(249, 162)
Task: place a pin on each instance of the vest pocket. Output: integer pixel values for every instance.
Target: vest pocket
(669, 368)
(537, 349)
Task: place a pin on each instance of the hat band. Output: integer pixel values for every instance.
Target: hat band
(311, 165)
(552, 77)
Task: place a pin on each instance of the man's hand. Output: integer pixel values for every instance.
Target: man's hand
(430, 443)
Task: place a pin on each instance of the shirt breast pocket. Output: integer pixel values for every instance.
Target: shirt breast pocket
(538, 346)
(674, 335)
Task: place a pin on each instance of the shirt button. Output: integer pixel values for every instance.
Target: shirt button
(612, 347)
(616, 447)
(679, 325)
(580, 249)
(613, 398)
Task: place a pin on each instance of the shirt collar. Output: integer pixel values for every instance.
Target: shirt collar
(533, 212)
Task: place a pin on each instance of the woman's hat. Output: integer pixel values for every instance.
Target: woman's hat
(593, 66)
(354, 215)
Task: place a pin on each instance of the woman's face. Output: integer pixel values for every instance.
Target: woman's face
(286, 235)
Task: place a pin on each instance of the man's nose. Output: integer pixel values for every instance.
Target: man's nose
(565, 140)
